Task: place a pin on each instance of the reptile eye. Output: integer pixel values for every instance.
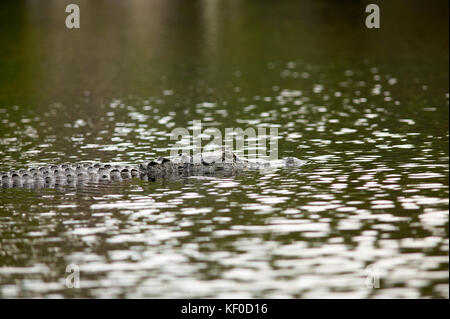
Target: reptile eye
(151, 164)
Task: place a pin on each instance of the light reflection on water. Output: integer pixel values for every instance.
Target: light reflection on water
(374, 197)
(292, 233)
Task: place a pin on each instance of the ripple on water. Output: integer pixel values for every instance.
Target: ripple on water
(374, 200)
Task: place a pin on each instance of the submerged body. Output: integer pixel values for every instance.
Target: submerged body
(219, 162)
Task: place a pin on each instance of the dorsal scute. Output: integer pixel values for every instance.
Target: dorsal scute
(181, 159)
(214, 157)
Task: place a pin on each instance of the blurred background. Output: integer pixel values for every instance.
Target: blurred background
(143, 47)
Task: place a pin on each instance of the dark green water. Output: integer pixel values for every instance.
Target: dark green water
(369, 107)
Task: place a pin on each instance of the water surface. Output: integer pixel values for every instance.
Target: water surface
(369, 108)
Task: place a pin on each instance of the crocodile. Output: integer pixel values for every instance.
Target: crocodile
(208, 163)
